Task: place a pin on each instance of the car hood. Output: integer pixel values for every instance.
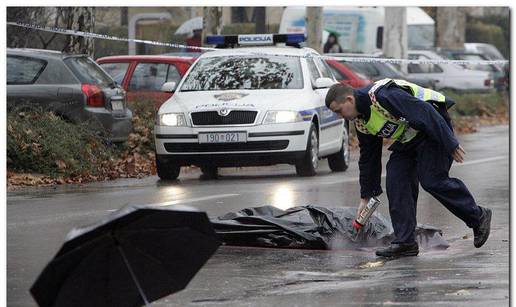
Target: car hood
(233, 100)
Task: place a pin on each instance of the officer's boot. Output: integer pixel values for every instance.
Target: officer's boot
(399, 250)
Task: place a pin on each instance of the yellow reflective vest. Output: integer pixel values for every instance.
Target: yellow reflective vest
(383, 124)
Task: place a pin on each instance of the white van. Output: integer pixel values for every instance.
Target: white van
(360, 29)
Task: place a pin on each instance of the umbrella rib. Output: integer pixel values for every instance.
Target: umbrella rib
(128, 243)
(157, 261)
(133, 276)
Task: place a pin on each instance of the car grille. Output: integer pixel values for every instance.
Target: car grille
(212, 118)
(219, 147)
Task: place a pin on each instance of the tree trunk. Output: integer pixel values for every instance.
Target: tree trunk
(314, 28)
(259, 14)
(395, 33)
(124, 16)
(79, 19)
(450, 27)
(212, 22)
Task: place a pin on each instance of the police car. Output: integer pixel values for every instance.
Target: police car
(251, 106)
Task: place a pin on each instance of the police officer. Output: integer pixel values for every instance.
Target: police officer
(424, 149)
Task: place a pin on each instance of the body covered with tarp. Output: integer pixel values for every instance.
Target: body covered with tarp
(312, 227)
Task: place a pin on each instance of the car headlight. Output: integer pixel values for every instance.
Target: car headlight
(171, 119)
(282, 117)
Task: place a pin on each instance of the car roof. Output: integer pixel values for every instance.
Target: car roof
(292, 51)
(465, 52)
(476, 44)
(193, 54)
(158, 58)
(42, 53)
(429, 53)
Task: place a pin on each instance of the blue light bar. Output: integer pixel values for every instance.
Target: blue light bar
(215, 40)
(255, 39)
(295, 38)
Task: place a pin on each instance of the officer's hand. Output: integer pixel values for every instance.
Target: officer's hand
(458, 154)
(363, 204)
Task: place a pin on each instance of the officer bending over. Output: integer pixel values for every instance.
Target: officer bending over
(424, 149)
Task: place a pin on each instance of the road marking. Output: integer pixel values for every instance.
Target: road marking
(191, 200)
(472, 162)
(182, 201)
(63, 217)
(482, 160)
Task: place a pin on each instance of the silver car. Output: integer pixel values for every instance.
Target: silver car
(72, 86)
(448, 76)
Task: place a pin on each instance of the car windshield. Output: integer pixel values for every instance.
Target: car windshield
(116, 70)
(244, 72)
(396, 72)
(363, 70)
(491, 52)
(474, 57)
(87, 71)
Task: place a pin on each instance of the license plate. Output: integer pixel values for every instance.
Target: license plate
(223, 137)
(117, 105)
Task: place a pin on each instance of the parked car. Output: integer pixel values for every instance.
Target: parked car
(497, 72)
(251, 106)
(347, 76)
(448, 76)
(72, 86)
(143, 75)
(490, 51)
(376, 71)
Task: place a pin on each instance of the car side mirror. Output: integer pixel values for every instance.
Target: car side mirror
(324, 82)
(169, 87)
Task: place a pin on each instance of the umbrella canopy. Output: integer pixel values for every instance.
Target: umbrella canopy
(135, 256)
(332, 31)
(189, 26)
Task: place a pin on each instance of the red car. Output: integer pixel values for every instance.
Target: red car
(143, 75)
(346, 76)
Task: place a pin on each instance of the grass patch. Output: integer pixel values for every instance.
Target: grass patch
(478, 104)
(144, 113)
(41, 142)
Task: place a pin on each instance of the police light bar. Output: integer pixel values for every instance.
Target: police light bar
(222, 41)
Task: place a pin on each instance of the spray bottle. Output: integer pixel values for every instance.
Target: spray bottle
(366, 213)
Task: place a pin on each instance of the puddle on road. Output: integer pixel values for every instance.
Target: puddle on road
(405, 293)
(460, 293)
(371, 264)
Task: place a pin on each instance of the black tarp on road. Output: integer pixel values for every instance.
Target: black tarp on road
(312, 227)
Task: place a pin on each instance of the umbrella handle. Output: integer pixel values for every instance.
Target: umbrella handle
(133, 276)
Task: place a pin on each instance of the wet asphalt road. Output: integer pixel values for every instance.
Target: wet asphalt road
(39, 219)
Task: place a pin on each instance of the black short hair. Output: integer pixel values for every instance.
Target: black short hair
(337, 92)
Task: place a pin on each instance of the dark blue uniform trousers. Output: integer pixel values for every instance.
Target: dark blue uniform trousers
(428, 164)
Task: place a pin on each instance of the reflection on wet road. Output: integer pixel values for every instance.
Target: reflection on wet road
(39, 219)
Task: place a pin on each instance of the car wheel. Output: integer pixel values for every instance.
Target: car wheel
(209, 172)
(167, 170)
(307, 166)
(339, 161)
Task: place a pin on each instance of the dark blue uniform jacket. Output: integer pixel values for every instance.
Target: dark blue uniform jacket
(431, 121)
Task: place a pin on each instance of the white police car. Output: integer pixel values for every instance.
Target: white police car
(251, 106)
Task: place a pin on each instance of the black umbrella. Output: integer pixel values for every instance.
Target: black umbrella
(135, 256)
